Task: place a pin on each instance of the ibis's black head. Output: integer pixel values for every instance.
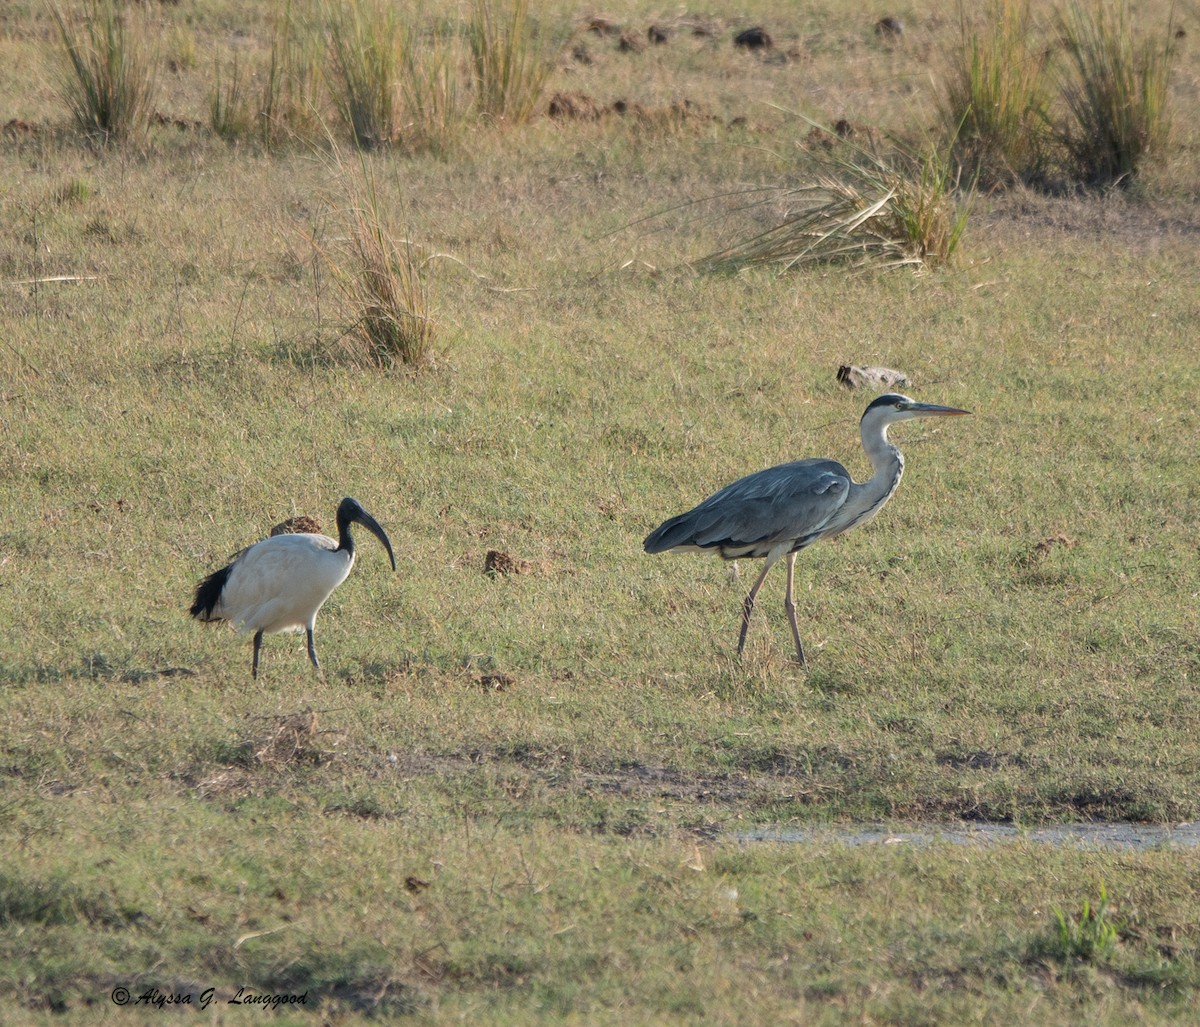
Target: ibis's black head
(350, 510)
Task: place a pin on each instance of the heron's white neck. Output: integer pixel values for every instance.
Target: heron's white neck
(885, 459)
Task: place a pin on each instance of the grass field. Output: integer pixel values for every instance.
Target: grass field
(522, 797)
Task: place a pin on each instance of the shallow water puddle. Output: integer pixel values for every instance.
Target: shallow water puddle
(1109, 835)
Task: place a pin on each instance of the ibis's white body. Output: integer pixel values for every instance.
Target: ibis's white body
(280, 583)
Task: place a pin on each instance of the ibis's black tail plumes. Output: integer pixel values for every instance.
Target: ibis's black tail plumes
(208, 594)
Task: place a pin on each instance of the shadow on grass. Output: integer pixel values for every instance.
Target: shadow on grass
(58, 901)
(94, 666)
(337, 351)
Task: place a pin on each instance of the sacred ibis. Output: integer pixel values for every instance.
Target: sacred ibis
(280, 583)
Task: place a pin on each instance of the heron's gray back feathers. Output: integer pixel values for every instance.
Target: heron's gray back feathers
(792, 502)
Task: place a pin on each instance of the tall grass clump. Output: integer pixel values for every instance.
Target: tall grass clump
(229, 104)
(862, 209)
(436, 100)
(1115, 91)
(289, 105)
(365, 41)
(511, 58)
(997, 96)
(382, 281)
(108, 77)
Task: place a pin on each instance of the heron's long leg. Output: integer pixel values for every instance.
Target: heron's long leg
(312, 650)
(790, 605)
(257, 646)
(748, 605)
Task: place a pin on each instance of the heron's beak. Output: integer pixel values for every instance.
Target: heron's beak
(933, 410)
(372, 525)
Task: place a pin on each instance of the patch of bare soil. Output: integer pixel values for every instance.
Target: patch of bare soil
(18, 128)
(298, 526)
(568, 106)
(1142, 226)
(498, 562)
(637, 780)
(558, 769)
(764, 781)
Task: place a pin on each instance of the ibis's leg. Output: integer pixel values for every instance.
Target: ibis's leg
(748, 606)
(257, 647)
(312, 650)
(790, 605)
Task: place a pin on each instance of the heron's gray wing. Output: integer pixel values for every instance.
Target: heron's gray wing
(790, 502)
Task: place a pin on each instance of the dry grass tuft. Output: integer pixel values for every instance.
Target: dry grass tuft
(290, 102)
(436, 100)
(497, 562)
(511, 59)
(1115, 90)
(365, 45)
(108, 80)
(229, 103)
(301, 525)
(383, 283)
(1044, 548)
(293, 739)
(863, 210)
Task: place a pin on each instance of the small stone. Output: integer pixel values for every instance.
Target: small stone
(875, 377)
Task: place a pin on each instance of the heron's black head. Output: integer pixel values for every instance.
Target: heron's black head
(890, 399)
(892, 407)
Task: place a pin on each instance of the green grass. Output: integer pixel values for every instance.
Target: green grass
(1090, 937)
(522, 796)
(1074, 98)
